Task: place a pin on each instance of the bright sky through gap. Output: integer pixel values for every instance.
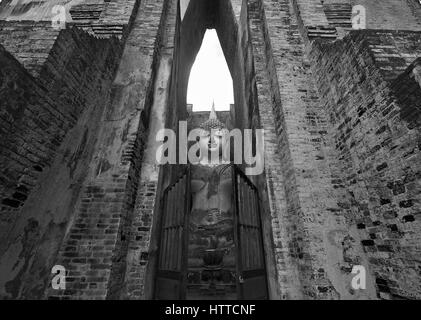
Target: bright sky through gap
(210, 78)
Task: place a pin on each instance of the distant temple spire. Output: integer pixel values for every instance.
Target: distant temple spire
(213, 121)
(212, 114)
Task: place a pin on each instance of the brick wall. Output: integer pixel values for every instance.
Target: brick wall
(310, 233)
(387, 14)
(142, 227)
(315, 19)
(95, 249)
(139, 232)
(102, 18)
(105, 19)
(30, 42)
(393, 51)
(38, 114)
(268, 95)
(28, 126)
(374, 126)
(75, 66)
(391, 14)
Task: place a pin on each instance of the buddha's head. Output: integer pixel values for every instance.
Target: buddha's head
(212, 137)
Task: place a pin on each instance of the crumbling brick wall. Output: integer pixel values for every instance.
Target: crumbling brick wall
(38, 114)
(375, 129)
(30, 42)
(29, 124)
(95, 248)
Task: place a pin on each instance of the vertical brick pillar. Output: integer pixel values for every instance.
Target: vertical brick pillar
(149, 194)
(95, 247)
(276, 149)
(139, 241)
(305, 209)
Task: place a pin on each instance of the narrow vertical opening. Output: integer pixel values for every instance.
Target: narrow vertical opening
(210, 79)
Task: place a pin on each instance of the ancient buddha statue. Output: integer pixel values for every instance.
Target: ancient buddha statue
(211, 260)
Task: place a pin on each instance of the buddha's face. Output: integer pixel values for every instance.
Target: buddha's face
(211, 141)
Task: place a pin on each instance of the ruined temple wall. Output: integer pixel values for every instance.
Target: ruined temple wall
(30, 42)
(118, 12)
(27, 117)
(393, 51)
(388, 14)
(326, 237)
(68, 75)
(375, 141)
(144, 230)
(314, 244)
(116, 18)
(246, 90)
(391, 14)
(95, 248)
(380, 14)
(71, 67)
(53, 133)
(247, 113)
(288, 284)
(75, 68)
(114, 12)
(101, 18)
(274, 34)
